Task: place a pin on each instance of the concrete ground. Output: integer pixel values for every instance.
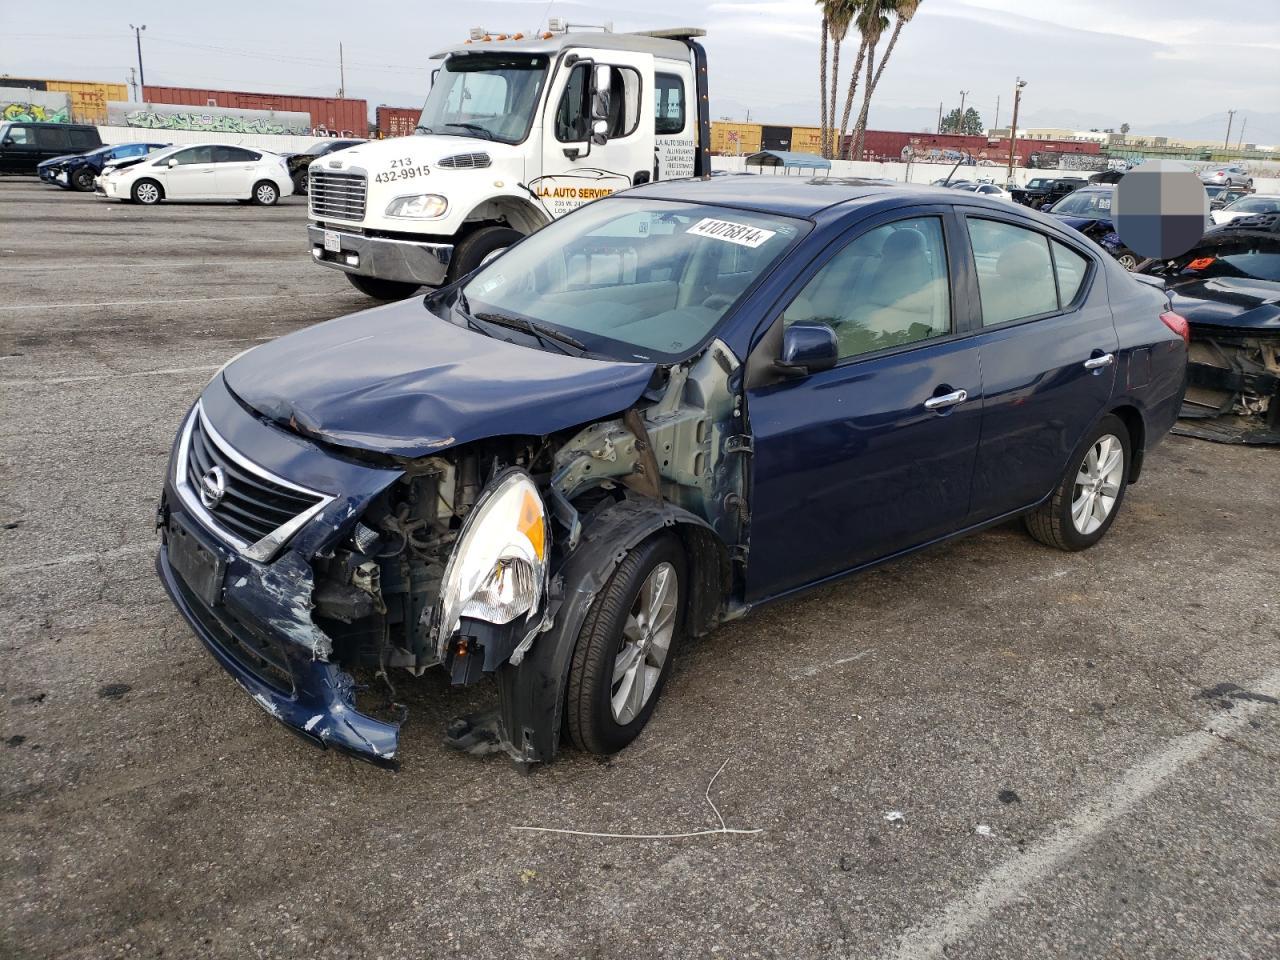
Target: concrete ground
(990, 750)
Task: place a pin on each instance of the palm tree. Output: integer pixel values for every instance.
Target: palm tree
(839, 15)
(822, 70)
(862, 9)
(903, 10)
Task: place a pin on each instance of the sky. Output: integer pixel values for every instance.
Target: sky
(1172, 66)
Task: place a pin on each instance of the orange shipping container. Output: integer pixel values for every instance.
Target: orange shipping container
(731, 139)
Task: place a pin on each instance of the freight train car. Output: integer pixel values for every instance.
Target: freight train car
(330, 116)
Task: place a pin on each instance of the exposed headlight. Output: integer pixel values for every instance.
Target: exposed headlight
(498, 569)
(424, 206)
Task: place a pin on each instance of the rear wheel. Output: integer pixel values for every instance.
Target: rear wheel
(1082, 509)
(478, 247)
(147, 192)
(300, 183)
(382, 289)
(265, 193)
(623, 655)
(82, 180)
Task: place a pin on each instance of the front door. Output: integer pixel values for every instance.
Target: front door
(574, 169)
(874, 456)
(18, 153)
(1048, 347)
(192, 177)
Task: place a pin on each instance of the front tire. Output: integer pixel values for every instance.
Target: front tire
(1086, 502)
(265, 193)
(382, 289)
(83, 180)
(147, 192)
(624, 650)
(478, 247)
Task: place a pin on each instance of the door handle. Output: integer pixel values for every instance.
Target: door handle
(1098, 363)
(946, 400)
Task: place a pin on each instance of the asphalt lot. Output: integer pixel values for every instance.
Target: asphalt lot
(1108, 717)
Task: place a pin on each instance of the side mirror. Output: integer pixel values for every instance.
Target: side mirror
(807, 348)
(171, 162)
(601, 82)
(1045, 206)
(8, 141)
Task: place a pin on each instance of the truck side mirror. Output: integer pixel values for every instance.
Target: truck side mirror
(601, 83)
(807, 348)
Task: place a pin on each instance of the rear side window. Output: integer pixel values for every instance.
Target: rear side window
(1070, 268)
(885, 289)
(668, 104)
(52, 138)
(234, 155)
(1015, 273)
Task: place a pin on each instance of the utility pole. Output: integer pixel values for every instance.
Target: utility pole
(133, 82)
(342, 74)
(1013, 130)
(142, 76)
(1226, 144)
(996, 125)
(1240, 142)
(963, 94)
(939, 117)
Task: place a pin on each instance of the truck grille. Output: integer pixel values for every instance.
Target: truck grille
(252, 505)
(337, 196)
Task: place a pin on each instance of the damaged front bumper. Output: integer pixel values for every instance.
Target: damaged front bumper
(1233, 388)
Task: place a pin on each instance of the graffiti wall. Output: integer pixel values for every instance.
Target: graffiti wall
(172, 116)
(21, 104)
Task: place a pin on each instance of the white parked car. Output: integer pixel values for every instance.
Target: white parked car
(201, 171)
(1249, 206)
(995, 191)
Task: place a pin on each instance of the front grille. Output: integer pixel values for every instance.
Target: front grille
(466, 161)
(251, 506)
(337, 196)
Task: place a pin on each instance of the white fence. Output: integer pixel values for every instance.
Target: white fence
(275, 143)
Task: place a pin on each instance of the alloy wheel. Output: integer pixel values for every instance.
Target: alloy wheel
(148, 193)
(265, 194)
(646, 643)
(1097, 484)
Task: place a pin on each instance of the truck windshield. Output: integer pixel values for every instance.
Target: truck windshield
(489, 95)
(629, 278)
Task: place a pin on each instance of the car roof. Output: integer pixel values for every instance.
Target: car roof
(786, 196)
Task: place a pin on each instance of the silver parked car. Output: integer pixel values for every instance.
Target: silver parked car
(1231, 175)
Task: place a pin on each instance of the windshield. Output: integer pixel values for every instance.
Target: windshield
(1039, 183)
(1085, 203)
(1254, 205)
(632, 279)
(489, 95)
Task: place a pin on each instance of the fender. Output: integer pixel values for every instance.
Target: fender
(531, 695)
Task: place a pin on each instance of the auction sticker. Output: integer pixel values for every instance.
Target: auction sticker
(742, 234)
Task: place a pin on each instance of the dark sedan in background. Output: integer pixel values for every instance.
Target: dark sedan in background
(1228, 288)
(298, 162)
(77, 171)
(1089, 211)
(654, 414)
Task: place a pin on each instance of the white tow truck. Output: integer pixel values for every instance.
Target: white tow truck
(515, 132)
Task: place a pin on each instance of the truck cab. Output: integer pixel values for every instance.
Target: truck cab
(514, 133)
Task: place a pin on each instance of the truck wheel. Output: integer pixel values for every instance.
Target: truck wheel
(623, 655)
(265, 193)
(1081, 510)
(382, 289)
(147, 192)
(485, 244)
(83, 180)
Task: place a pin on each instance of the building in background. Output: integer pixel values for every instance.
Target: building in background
(86, 100)
(396, 121)
(330, 116)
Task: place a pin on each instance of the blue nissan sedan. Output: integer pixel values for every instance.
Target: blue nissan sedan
(656, 413)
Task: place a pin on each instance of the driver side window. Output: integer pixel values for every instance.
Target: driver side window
(573, 116)
(887, 288)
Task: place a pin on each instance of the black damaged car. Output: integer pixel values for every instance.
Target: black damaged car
(78, 171)
(1228, 290)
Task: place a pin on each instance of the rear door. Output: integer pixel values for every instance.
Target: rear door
(1048, 347)
(575, 170)
(874, 456)
(193, 176)
(51, 141)
(236, 171)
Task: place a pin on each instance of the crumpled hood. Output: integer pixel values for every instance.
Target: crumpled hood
(399, 380)
(1237, 303)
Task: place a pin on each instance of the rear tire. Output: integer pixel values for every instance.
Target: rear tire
(382, 289)
(300, 183)
(626, 645)
(265, 193)
(83, 180)
(1087, 499)
(147, 192)
(477, 247)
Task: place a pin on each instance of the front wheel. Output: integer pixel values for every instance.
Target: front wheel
(147, 192)
(382, 289)
(478, 248)
(265, 193)
(83, 180)
(1127, 259)
(1085, 504)
(623, 655)
(300, 183)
